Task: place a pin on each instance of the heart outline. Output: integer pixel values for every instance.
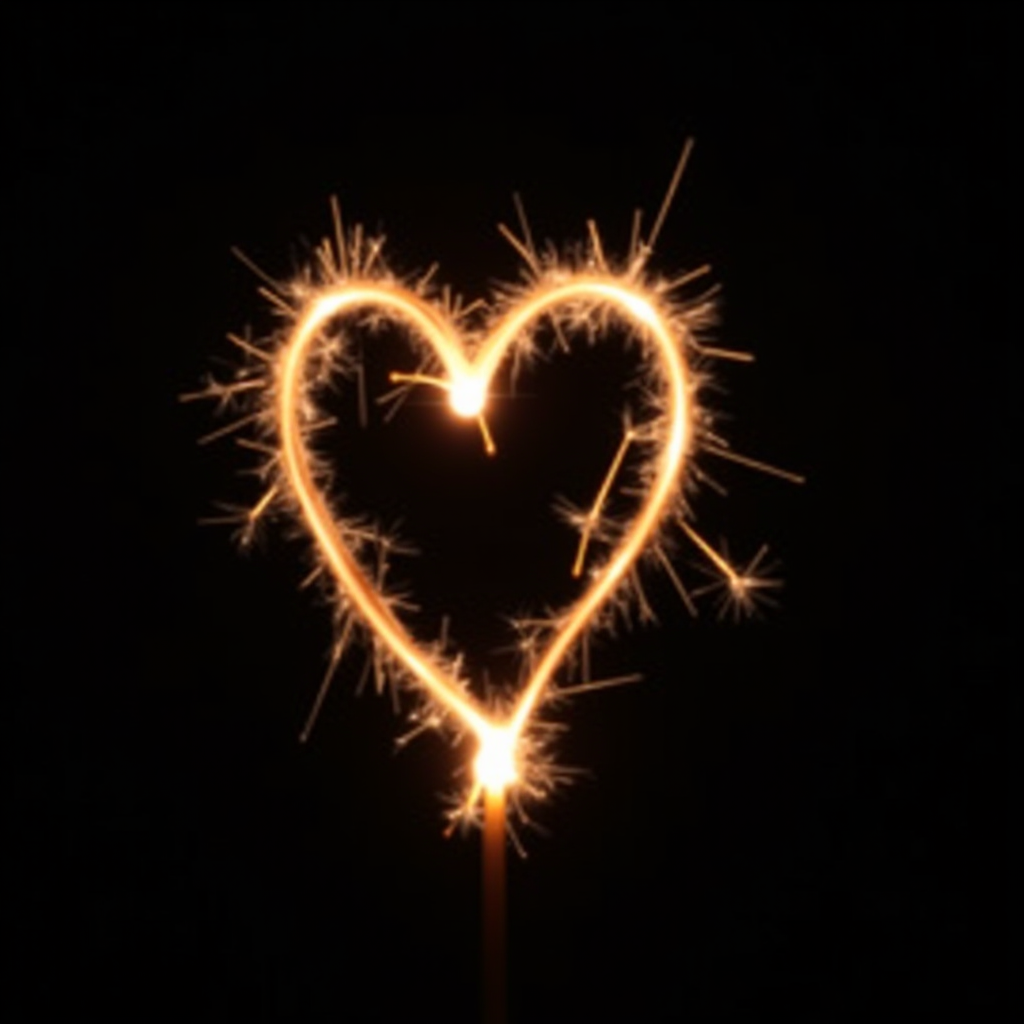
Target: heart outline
(592, 295)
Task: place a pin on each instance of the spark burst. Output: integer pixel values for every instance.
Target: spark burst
(346, 291)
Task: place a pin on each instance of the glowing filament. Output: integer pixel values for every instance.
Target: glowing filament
(355, 286)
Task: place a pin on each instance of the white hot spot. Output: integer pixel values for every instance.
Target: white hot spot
(495, 763)
(641, 309)
(467, 396)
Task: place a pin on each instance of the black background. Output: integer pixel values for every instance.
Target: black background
(811, 817)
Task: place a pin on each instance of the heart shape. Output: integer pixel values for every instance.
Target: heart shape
(468, 362)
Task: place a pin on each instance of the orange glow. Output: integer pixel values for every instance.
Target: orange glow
(348, 287)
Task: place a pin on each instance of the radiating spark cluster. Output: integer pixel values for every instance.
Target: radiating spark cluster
(349, 288)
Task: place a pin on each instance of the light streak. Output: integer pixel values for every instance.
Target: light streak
(461, 354)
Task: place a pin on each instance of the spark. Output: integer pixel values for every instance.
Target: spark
(593, 517)
(337, 652)
(745, 460)
(230, 428)
(726, 353)
(670, 194)
(743, 586)
(467, 396)
(598, 684)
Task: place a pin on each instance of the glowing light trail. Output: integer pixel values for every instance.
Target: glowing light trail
(467, 382)
(348, 287)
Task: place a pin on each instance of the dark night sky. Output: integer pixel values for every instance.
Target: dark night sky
(810, 817)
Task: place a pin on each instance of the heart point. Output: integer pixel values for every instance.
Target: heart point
(495, 765)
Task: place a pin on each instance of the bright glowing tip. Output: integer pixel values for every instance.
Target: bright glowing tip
(495, 763)
(641, 309)
(467, 396)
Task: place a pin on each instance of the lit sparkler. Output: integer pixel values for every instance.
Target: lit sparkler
(348, 288)
(349, 285)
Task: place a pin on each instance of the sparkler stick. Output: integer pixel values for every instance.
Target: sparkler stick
(348, 287)
(494, 907)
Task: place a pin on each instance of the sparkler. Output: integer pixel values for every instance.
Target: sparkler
(348, 289)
